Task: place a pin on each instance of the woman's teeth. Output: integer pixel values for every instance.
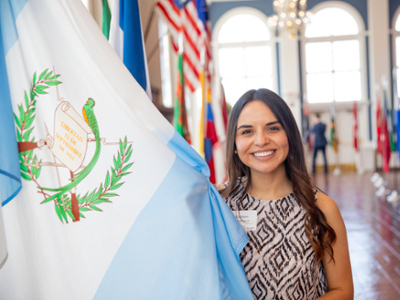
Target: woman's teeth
(262, 154)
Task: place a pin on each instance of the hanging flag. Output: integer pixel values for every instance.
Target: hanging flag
(396, 112)
(106, 19)
(385, 135)
(126, 37)
(397, 124)
(10, 172)
(378, 122)
(180, 114)
(184, 16)
(390, 123)
(306, 125)
(220, 113)
(210, 140)
(215, 131)
(100, 11)
(333, 142)
(224, 107)
(203, 115)
(355, 126)
(190, 18)
(115, 203)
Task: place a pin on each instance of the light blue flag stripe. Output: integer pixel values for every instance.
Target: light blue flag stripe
(133, 57)
(185, 152)
(9, 11)
(193, 219)
(10, 178)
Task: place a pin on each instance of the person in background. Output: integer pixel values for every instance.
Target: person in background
(320, 141)
(298, 243)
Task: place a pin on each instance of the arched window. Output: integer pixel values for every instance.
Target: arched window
(332, 54)
(245, 53)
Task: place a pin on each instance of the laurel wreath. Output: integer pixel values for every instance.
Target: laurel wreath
(104, 192)
(90, 201)
(24, 122)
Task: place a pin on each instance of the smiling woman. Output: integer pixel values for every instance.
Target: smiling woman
(261, 142)
(298, 245)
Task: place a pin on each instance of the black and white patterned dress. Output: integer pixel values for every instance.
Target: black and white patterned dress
(279, 260)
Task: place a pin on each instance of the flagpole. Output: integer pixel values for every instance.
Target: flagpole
(147, 30)
(334, 140)
(378, 129)
(383, 107)
(358, 155)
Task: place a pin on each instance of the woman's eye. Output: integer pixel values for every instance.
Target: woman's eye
(247, 131)
(274, 128)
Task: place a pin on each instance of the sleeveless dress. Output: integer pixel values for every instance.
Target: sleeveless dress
(279, 260)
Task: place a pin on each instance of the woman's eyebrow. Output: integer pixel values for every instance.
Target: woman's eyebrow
(271, 123)
(244, 126)
(249, 126)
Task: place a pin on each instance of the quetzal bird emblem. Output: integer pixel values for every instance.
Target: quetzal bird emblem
(90, 118)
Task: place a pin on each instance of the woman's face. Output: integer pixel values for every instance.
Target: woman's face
(261, 142)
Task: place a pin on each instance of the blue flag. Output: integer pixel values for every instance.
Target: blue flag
(115, 204)
(10, 178)
(126, 37)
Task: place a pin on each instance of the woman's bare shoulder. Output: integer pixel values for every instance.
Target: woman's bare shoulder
(329, 207)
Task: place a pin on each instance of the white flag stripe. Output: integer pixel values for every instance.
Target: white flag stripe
(116, 33)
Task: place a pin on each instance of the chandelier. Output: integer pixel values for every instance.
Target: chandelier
(290, 16)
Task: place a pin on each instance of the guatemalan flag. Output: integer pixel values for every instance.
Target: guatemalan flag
(114, 203)
(126, 37)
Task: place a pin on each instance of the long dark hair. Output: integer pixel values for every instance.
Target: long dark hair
(318, 231)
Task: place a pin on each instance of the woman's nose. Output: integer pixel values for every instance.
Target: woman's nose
(262, 139)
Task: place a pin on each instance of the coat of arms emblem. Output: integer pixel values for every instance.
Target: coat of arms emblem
(68, 145)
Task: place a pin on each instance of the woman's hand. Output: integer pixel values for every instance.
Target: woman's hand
(219, 186)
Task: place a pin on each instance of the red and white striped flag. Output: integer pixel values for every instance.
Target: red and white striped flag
(183, 17)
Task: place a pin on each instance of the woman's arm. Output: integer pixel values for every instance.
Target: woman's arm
(338, 273)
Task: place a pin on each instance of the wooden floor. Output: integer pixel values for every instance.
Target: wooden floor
(373, 228)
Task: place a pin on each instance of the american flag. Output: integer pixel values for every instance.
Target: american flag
(189, 17)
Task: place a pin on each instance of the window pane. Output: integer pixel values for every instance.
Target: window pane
(331, 21)
(346, 55)
(320, 87)
(318, 57)
(259, 82)
(231, 62)
(397, 26)
(398, 81)
(234, 88)
(347, 86)
(166, 80)
(398, 51)
(258, 61)
(243, 28)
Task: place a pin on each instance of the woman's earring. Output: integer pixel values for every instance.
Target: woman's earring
(235, 151)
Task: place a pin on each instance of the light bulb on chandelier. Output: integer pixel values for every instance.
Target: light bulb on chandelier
(290, 16)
